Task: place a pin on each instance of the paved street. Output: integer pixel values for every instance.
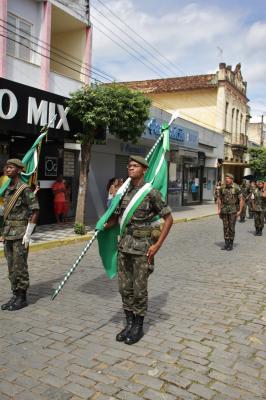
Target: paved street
(205, 332)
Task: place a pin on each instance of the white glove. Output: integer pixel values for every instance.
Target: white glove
(28, 233)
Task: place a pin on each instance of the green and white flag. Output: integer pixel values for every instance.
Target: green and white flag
(155, 178)
(30, 160)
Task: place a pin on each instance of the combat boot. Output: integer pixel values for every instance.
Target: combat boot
(226, 244)
(6, 305)
(136, 332)
(130, 318)
(230, 245)
(20, 302)
(259, 232)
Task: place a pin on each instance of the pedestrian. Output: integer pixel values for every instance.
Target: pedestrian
(258, 199)
(230, 206)
(59, 191)
(20, 217)
(136, 250)
(216, 190)
(112, 187)
(244, 191)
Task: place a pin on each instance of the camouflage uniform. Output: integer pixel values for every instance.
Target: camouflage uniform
(259, 208)
(13, 232)
(244, 191)
(229, 197)
(133, 267)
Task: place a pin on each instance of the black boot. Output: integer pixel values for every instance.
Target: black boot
(130, 318)
(136, 332)
(226, 244)
(259, 232)
(6, 305)
(20, 302)
(230, 245)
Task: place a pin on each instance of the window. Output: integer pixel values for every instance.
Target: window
(18, 41)
(226, 115)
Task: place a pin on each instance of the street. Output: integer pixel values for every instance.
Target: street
(205, 332)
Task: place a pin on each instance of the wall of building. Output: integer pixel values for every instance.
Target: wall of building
(197, 106)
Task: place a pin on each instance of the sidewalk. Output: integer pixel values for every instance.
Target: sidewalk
(54, 235)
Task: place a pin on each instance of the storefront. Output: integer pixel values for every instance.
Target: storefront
(24, 110)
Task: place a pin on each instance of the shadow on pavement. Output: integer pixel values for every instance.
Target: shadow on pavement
(221, 244)
(101, 286)
(41, 290)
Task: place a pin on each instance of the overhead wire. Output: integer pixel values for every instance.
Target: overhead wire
(55, 51)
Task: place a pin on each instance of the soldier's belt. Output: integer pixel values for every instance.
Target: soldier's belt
(139, 233)
(16, 223)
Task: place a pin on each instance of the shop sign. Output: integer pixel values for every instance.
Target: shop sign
(26, 109)
(131, 149)
(180, 134)
(51, 166)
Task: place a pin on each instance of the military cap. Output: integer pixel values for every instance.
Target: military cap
(260, 181)
(140, 160)
(15, 161)
(230, 176)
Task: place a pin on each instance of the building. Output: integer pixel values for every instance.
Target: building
(45, 49)
(215, 101)
(194, 153)
(256, 134)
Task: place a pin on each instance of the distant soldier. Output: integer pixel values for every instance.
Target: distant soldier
(137, 249)
(258, 199)
(20, 217)
(229, 201)
(251, 188)
(244, 191)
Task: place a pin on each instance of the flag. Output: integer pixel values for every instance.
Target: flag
(155, 178)
(30, 160)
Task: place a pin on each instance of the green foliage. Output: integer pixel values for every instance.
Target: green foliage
(258, 160)
(79, 228)
(120, 109)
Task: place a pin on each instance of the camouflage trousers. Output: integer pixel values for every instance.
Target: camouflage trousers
(16, 255)
(259, 219)
(229, 223)
(133, 273)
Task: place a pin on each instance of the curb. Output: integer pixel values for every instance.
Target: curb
(55, 243)
(178, 220)
(73, 239)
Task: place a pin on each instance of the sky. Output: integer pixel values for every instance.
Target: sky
(187, 38)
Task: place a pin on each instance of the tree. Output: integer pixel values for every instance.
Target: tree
(258, 160)
(114, 107)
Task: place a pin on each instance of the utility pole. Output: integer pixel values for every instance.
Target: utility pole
(88, 46)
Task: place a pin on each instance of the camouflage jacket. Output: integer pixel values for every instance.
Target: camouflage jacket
(229, 197)
(259, 201)
(244, 191)
(137, 236)
(17, 220)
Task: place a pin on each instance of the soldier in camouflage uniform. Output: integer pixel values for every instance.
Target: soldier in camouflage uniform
(228, 203)
(137, 250)
(258, 199)
(18, 227)
(244, 191)
(251, 188)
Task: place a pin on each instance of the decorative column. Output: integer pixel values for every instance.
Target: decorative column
(3, 39)
(46, 37)
(86, 78)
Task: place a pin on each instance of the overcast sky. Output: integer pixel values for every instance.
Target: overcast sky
(193, 35)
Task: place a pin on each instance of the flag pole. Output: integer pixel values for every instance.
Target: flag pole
(88, 245)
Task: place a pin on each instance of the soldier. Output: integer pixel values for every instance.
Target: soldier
(229, 199)
(244, 191)
(251, 188)
(20, 217)
(136, 250)
(258, 199)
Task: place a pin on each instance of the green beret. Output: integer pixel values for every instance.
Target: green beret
(15, 161)
(230, 176)
(139, 160)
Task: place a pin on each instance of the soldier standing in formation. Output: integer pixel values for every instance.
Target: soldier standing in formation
(258, 199)
(20, 217)
(230, 206)
(244, 191)
(136, 250)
